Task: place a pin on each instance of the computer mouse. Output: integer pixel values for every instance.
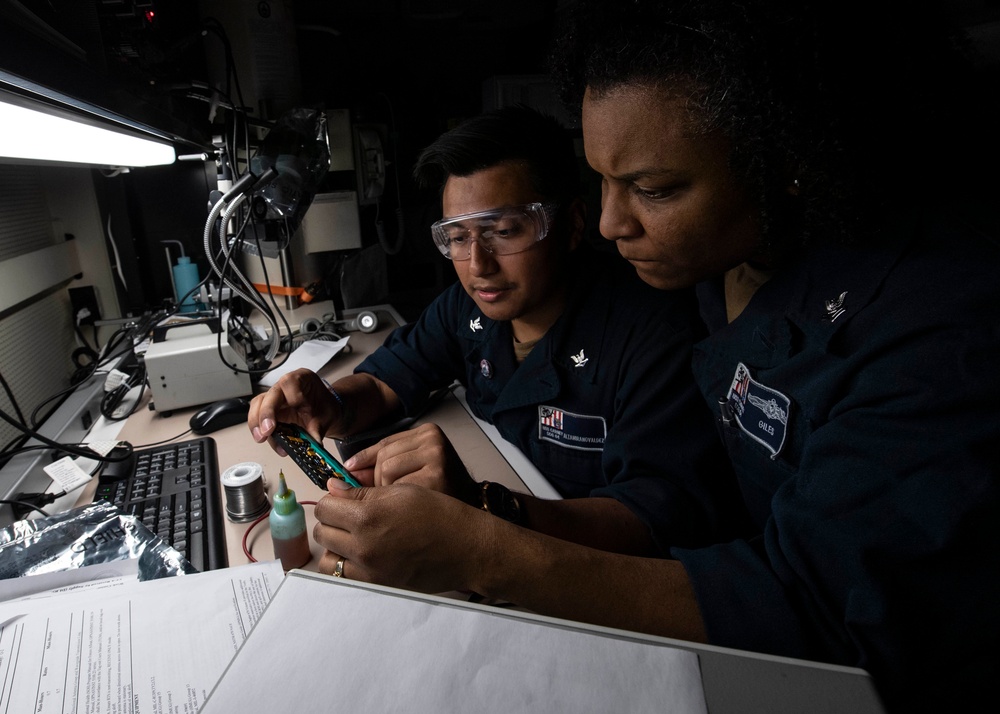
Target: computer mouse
(220, 414)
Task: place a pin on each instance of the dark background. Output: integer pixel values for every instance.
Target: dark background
(409, 68)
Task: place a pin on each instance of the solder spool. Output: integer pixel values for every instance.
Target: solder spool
(246, 498)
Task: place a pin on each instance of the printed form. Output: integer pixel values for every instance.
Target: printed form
(155, 647)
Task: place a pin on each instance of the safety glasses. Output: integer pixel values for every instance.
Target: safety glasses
(500, 231)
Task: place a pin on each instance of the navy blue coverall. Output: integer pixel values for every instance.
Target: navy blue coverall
(860, 406)
(597, 401)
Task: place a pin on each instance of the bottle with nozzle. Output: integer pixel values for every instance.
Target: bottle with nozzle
(288, 528)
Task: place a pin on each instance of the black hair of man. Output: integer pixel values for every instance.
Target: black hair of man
(859, 105)
(515, 133)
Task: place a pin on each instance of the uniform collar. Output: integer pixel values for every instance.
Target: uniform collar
(473, 325)
(575, 343)
(566, 345)
(572, 349)
(817, 293)
(832, 283)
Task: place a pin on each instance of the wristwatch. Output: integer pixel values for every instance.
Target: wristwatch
(501, 501)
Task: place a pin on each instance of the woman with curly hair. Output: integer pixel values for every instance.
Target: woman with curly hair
(823, 177)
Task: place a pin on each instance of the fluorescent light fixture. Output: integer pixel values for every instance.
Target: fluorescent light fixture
(37, 131)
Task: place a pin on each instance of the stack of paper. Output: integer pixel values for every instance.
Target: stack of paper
(120, 646)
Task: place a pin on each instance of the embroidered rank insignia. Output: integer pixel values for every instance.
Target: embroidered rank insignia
(579, 360)
(835, 307)
(573, 431)
(761, 412)
(475, 325)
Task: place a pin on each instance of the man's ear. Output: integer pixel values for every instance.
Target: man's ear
(576, 213)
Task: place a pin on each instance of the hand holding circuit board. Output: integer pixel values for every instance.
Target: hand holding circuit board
(316, 462)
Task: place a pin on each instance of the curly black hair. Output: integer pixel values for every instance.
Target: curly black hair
(860, 106)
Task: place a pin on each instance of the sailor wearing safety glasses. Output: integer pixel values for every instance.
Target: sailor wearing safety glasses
(574, 359)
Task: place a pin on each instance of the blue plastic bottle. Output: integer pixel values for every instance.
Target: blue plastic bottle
(185, 280)
(288, 528)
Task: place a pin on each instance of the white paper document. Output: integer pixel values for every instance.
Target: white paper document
(66, 473)
(155, 647)
(115, 573)
(327, 645)
(311, 354)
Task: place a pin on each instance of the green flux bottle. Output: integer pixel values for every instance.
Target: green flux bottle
(288, 528)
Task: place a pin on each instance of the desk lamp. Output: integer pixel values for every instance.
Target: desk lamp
(42, 125)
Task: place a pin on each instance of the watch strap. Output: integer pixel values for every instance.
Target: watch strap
(500, 501)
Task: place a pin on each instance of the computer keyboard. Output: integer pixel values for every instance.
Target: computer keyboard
(174, 490)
